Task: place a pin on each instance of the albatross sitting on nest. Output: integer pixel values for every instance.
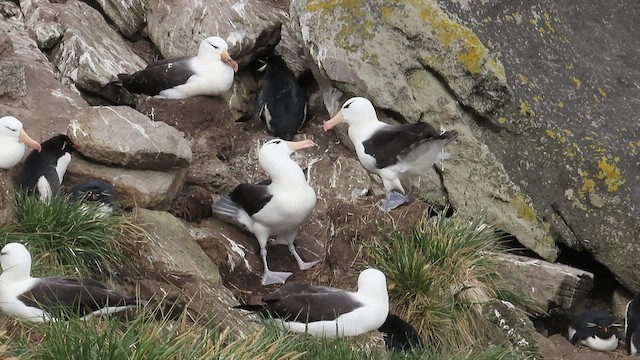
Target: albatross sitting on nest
(42, 299)
(209, 73)
(13, 140)
(326, 311)
(391, 151)
(274, 209)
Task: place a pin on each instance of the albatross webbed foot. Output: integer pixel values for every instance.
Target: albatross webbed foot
(274, 277)
(303, 265)
(392, 201)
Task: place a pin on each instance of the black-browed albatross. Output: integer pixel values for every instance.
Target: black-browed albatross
(208, 73)
(42, 299)
(275, 209)
(391, 151)
(13, 139)
(326, 311)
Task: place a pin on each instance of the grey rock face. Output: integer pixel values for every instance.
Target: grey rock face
(87, 56)
(122, 136)
(177, 26)
(142, 188)
(127, 15)
(342, 179)
(570, 137)
(171, 247)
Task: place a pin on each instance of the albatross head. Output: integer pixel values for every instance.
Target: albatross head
(273, 152)
(355, 111)
(15, 261)
(11, 128)
(372, 283)
(216, 46)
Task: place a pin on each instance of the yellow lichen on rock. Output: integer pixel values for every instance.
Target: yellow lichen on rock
(522, 207)
(610, 173)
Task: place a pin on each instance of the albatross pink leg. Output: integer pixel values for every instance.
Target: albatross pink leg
(272, 277)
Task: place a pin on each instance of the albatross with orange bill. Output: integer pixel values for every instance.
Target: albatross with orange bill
(13, 140)
(210, 72)
(393, 152)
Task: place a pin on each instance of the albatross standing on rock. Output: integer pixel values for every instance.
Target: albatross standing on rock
(40, 299)
(326, 311)
(276, 209)
(391, 151)
(209, 73)
(13, 140)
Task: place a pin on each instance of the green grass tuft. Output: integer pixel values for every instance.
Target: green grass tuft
(66, 237)
(439, 273)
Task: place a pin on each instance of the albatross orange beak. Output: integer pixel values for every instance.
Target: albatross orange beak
(25, 139)
(298, 145)
(333, 121)
(226, 58)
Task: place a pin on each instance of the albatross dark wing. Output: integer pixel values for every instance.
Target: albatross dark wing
(252, 198)
(633, 321)
(305, 303)
(158, 76)
(65, 295)
(391, 143)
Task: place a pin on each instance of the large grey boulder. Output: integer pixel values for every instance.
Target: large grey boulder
(142, 188)
(570, 137)
(427, 54)
(176, 27)
(31, 91)
(121, 136)
(87, 56)
(129, 16)
(169, 246)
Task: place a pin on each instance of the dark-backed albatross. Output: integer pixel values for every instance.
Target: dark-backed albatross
(393, 152)
(42, 299)
(326, 311)
(13, 139)
(208, 73)
(274, 209)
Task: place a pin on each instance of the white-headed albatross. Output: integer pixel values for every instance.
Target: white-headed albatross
(326, 311)
(13, 140)
(391, 151)
(274, 209)
(208, 73)
(42, 299)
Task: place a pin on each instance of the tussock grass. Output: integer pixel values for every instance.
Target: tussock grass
(68, 235)
(439, 273)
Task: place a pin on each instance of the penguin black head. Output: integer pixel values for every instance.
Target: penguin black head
(95, 190)
(399, 335)
(59, 145)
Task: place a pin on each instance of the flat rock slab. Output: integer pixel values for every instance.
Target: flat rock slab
(171, 247)
(143, 188)
(544, 283)
(122, 136)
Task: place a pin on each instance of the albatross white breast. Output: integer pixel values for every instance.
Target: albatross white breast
(13, 139)
(274, 209)
(41, 299)
(209, 73)
(393, 152)
(327, 311)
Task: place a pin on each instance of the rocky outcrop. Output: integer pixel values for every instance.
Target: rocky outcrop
(124, 137)
(142, 188)
(129, 16)
(87, 56)
(568, 138)
(515, 325)
(250, 28)
(171, 248)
